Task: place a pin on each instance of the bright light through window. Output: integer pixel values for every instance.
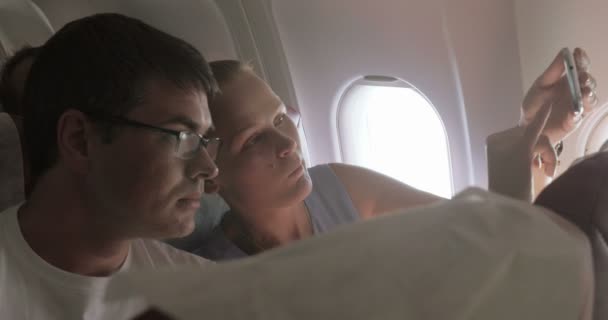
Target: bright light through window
(396, 131)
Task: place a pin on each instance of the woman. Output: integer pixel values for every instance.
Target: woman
(274, 199)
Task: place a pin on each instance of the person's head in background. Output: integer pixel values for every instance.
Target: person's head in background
(13, 77)
(114, 113)
(261, 163)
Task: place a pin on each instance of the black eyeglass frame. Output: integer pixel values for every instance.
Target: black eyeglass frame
(180, 135)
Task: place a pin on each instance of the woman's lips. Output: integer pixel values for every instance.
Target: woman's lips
(190, 202)
(297, 172)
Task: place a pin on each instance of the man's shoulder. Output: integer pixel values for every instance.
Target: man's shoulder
(148, 252)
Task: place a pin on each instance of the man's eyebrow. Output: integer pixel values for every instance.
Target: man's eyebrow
(185, 121)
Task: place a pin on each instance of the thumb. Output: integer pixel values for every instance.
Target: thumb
(535, 128)
(554, 72)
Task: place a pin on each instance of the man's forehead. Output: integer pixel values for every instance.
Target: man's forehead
(166, 103)
(199, 122)
(207, 121)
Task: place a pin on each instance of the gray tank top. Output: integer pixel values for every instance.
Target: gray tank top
(329, 206)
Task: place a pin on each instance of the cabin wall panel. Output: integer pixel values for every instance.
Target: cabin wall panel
(464, 56)
(484, 38)
(199, 22)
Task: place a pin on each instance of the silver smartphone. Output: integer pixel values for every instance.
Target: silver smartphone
(573, 83)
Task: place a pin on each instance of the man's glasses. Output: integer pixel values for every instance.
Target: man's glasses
(189, 144)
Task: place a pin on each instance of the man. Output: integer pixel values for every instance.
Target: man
(114, 117)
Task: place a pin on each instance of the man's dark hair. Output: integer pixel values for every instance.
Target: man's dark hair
(102, 64)
(8, 92)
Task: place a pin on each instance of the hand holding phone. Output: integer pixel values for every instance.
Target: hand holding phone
(573, 83)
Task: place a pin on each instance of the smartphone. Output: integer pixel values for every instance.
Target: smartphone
(573, 83)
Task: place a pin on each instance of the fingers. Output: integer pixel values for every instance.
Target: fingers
(547, 155)
(581, 59)
(551, 87)
(587, 80)
(590, 100)
(534, 129)
(553, 73)
(588, 92)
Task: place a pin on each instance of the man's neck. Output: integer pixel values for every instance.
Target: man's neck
(59, 227)
(263, 229)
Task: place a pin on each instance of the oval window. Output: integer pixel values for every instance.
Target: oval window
(393, 129)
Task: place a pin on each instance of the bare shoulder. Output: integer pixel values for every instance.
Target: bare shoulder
(348, 171)
(374, 193)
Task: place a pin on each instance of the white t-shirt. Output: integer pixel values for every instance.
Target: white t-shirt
(31, 288)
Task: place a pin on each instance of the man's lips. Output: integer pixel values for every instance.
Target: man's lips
(192, 201)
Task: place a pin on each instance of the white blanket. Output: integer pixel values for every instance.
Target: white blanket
(477, 256)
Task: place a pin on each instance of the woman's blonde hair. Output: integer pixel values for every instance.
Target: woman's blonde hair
(225, 71)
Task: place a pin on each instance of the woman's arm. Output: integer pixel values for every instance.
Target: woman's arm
(373, 193)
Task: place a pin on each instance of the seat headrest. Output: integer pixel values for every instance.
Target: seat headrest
(11, 164)
(22, 23)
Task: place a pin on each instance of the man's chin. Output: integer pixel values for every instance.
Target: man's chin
(182, 229)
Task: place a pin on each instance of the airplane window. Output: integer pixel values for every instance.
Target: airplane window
(395, 130)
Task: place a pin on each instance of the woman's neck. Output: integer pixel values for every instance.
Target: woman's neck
(261, 230)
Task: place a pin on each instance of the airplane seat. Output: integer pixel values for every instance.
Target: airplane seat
(22, 23)
(12, 190)
(581, 195)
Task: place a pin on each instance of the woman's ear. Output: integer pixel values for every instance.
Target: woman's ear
(211, 186)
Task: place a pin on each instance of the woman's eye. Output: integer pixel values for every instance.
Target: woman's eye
(253, 140)
(279, 120)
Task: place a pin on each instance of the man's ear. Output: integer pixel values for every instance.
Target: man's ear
(73, 134)
(211, 186)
